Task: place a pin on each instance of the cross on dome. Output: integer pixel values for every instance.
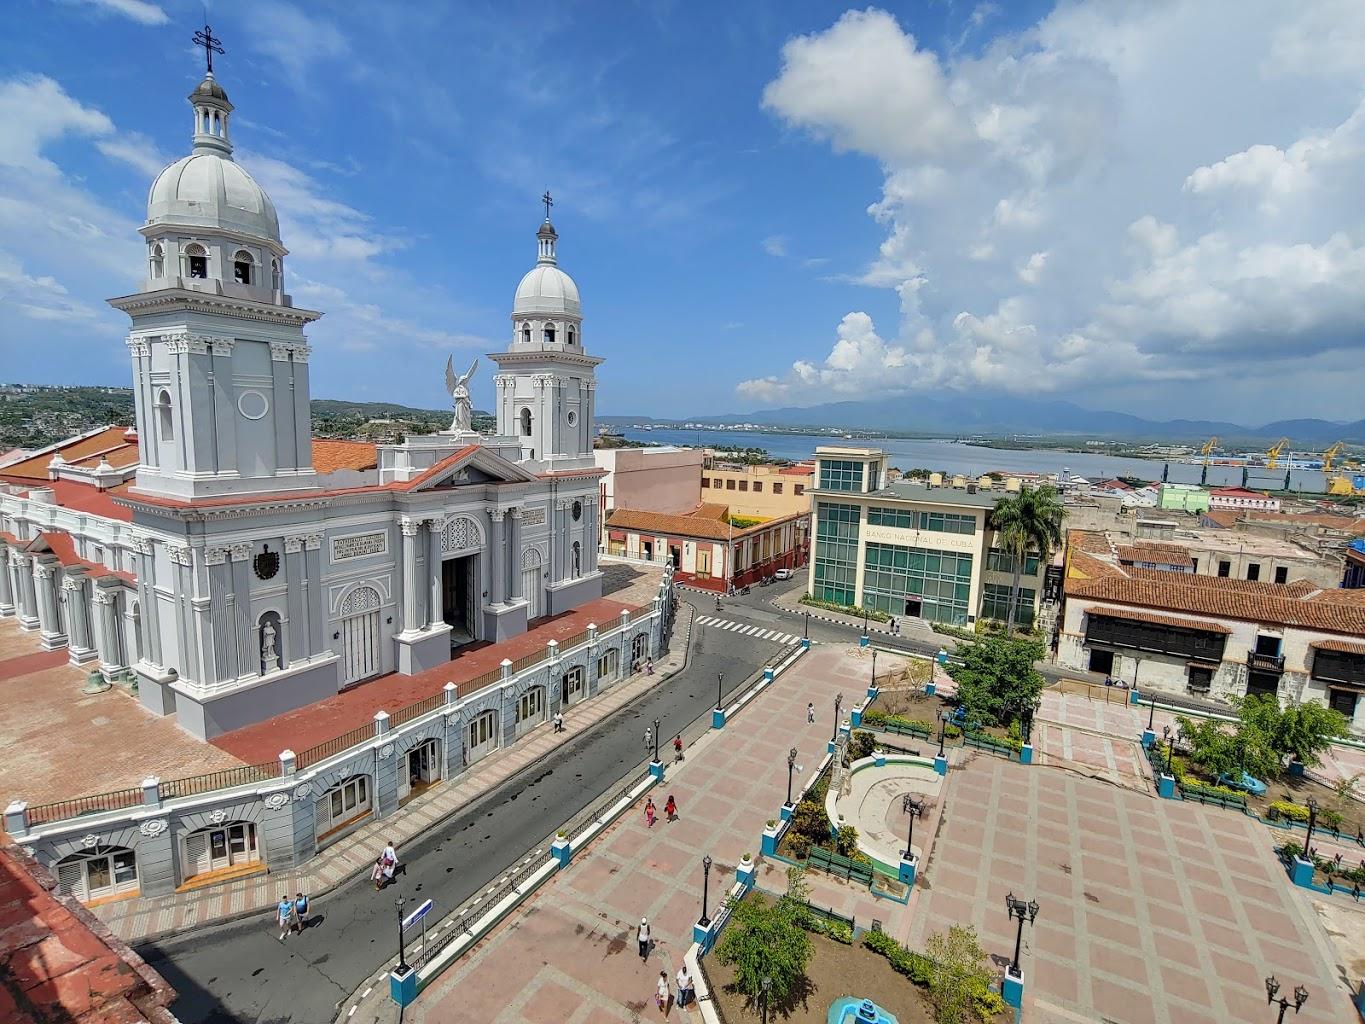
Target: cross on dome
(546, 236)
(212, 44)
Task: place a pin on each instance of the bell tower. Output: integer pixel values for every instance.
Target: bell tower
(546, 390)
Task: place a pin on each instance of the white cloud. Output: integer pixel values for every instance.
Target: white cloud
(775, 245)
(141, 11)
(1117, 194)
(39, 298)
(295, 40)
(136, 150)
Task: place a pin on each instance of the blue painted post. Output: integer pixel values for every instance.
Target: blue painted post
(872, 692)
(864, 640)
(930, 688)
(1134, 696)
(1148, 738)
(717, 718)
(745, 871)
(701, 935)
(768, 675)
(805, 643)
(940, 764)
(1026, 754)
(1296, 769)
(829, 746)
(403, 986)
(879, 758)
(786, 812)
(1165, 787)
(562, 852)
(656, 768)
(856, 717)
(1301, 873)
(1013, 989)
(909, 868)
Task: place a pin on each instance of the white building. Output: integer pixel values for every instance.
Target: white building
(1240, 497)
(212, 552)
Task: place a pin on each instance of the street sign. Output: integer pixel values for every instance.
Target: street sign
(419, 914)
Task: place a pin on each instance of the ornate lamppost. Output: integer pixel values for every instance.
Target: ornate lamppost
(791, 765)
(1312, 804)
(838, 703)
(402, 953)
(1020, 909)
(1272, 988)
(720, 682)
(915, 808)
(705, 921)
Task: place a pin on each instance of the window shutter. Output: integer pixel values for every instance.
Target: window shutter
(196, 854)
(71, 880)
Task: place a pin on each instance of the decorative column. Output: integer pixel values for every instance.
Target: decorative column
(592, 535)
(563, 542)
(514, 557)
(106, 630)
(434, 574)
(7, 595)
(25, 592)
(409, 528)
(49, 619)
(81, 646)
(497, 551)
(314, 608)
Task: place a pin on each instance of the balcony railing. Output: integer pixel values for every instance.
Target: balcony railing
(1265, 662)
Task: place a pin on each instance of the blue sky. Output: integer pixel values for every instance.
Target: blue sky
(1146, 207)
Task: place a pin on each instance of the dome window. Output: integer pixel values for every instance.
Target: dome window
(276, 278)
(196, 261)
(158, 261)
(526, 423)
(241, 266)
(165, 421)
(549, 334)
(573, 338)
(526, 333)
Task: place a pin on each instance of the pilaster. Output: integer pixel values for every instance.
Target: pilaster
(408, 528)
(7, 595)
(81, 646)
(514, 556)
(49, 618)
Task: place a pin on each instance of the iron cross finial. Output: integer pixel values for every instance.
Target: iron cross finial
(549, 202)
(211, 44)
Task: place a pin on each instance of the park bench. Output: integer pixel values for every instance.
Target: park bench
(838, 866)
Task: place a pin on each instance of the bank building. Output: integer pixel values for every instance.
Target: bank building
(238, 567)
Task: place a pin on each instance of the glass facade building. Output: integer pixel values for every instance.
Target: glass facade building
(995, 603)
(841, 475)
(836, 552)
(932, 585)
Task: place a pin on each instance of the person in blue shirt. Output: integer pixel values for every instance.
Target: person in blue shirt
(286, 915)
(301, 911)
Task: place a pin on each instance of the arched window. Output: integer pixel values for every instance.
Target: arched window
(276, 278)
(241, 266)
(270, 636)
(526, 333)
(526, 423)
(158, 262)
(137, 630)
(481, 736)
(165, 420)
(98, 872)
(207, 124)
(549, 334)
(573, 337)
(577, 559)
(196, 261)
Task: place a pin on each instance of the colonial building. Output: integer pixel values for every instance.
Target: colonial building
(1222, 498)
(1170, 629)
(236, 566)
(921, 550)
(765, 491)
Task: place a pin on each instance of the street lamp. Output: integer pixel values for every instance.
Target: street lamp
(1018, 908)
(1026, 721)
(656, 741)
(767, 984)
(1170, 749)
(1272, 988)
(791, 765)
(805, 631)
(720, 681)
(1312, 803)
(874, 668)
(705, 921)
(402, 954)
(838, 703)
(914, 808)
(942, 727)
(1151, 717)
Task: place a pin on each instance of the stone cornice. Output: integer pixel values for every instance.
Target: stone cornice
(184, 299)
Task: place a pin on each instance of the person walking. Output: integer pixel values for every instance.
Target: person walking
(642, 936)
(301, 911)
(650, 812)
(671, 808)
(684, 986)
(559, 722)
(810, 714)
(649, 737)
(661, 993)
(285, 912)
(677, 747)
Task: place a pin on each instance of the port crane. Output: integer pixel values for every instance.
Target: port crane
(1272, 456)
(1329, 457)
(1207, 451)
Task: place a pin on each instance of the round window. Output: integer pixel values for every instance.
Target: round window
(577, 510)
(573, 418)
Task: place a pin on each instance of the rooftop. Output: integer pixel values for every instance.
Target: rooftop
(918, 491)
(703, 522)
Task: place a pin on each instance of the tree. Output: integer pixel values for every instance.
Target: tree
(767, 939)
(957, 971)
(809, 827)
(1029, 521)
(996, 680)
(1306, 729)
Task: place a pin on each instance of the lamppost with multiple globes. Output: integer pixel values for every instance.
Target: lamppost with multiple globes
(791, 766)
(1169, 737)
(915, 808)
(874, 668)
(1272, 988)
(1022, 910)
(705, 921)
(838, 703)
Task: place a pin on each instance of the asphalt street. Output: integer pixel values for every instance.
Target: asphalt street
(241, 972)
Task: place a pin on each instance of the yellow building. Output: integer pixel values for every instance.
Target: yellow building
(765, 491)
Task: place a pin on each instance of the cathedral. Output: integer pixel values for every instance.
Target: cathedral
(234, 566)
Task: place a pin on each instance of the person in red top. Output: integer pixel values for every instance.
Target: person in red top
(677, 748)
(671, 808)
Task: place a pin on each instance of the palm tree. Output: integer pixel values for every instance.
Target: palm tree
(1031, 520)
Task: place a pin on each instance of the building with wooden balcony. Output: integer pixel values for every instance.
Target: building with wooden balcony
(1176, 631)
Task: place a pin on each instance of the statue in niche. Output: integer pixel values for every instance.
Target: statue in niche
(577, 571)
(463, 423)
(270, 658)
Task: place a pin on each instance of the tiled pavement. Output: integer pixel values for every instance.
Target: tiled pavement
(1150, 910)
(569, 953)
(137, 919)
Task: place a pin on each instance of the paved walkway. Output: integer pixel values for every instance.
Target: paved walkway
(910, 628)
(568, 954)
(141, 918)
(1151, 911)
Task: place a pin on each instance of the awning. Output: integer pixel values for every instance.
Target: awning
(1159, 620)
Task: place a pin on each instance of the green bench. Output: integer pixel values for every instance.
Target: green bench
(839, 867)
(906, 730)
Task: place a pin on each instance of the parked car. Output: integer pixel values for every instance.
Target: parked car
(1242, 781)
(783, 574)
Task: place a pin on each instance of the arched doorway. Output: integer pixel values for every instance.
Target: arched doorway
(231, 845)
(360, 634)
(98, 873)
(422, 769)
(531, 582)
(530, 709)
(482, 737)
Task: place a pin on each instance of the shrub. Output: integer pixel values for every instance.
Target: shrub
(875, 717)
(903, 961)
(766, 940)
(809, 825)
(839, 932)
(846, 841)
(860, 745)
(1287, 809)
(1330, 819)
(987, 1003)
(846, 609)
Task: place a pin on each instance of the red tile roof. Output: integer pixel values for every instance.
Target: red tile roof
(60, 963)
(1237, 492)
(109, 442)
(1160, 620)
(692, 525)
(330, 455)
(80, 496)
(1338, 645)
(1162, 554)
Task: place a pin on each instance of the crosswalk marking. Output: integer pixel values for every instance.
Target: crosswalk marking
(745, 629)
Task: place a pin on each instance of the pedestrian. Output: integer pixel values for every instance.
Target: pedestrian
(677, 747)
(661, 993)
(649, 737)
(643, 937)
(671, 808)
(649, 667)
(301, 911)
(650, 811)
(286, 915)
(810, 713)
(684, 986)
(377, 873)
(559, 722)
(893, 624)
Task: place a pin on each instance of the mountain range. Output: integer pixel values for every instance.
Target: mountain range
(959, 414)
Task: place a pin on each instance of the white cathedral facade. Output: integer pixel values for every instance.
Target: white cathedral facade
(209, 554)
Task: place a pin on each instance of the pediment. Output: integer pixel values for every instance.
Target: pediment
(474, 467)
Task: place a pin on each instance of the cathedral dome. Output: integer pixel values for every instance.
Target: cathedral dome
(208, 190)
(547, 290)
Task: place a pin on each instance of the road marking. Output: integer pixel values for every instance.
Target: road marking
(366, 993)
(353, 1010)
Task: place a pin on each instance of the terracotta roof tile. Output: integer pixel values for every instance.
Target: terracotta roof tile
(1339, 595)
(1163, 554)
(1338, 645)
(1226, 518)
(1160, 620)
(710, 510)
(1089, 540)
(1237, 492)
(81, 497)
(687, 525)
(110, 442)
(330, 455)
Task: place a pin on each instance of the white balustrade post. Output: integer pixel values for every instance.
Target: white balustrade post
(381, 723)
(288, 762)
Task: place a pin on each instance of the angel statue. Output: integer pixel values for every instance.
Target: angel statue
(463, 423)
